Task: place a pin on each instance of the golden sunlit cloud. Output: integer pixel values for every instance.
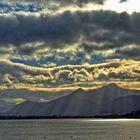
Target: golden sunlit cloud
(68, 77)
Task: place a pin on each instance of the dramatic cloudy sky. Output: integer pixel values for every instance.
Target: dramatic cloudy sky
(65, 43)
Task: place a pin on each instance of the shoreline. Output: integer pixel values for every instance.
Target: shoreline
(65, 117)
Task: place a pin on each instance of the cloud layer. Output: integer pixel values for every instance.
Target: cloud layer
(17, 7)
(90, 32)
(57, 43)
(59, 76)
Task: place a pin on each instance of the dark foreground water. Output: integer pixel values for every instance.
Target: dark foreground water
(71, 129)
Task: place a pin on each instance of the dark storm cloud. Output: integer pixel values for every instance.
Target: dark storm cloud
(110, 29)
(79, 2)
(131, 52)
(61, 2)
(22, 28)
(123, 1)
(64, 28)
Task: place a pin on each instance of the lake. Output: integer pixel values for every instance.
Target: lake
(70, 129)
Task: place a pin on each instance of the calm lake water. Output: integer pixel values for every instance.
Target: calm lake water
(71, 129)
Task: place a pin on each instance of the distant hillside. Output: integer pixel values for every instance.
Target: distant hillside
(122, 105)
(6, 106)
(27, 95)
(135, 114)
(107, 100)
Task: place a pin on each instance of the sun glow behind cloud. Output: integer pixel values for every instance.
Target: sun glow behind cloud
(129, 6)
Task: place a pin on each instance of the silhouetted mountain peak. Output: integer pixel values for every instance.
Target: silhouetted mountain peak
(111, 86)
(79, 90)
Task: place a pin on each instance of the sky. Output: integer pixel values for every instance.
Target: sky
(68, 43)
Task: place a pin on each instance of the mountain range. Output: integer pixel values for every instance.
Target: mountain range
(107, 100)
